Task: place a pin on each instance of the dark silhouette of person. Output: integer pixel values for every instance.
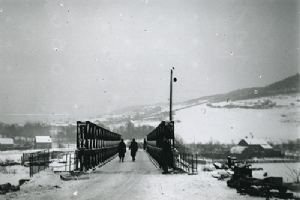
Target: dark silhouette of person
(166, 155)
(229, 162)
(122, 150)
(145, 144)
(133, 147)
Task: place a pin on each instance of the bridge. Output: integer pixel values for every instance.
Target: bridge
(139, 180)
(104, 177)
(97, 145)
(107, 178)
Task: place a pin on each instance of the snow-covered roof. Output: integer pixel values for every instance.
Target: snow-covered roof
(237, 149)
(266, 146)
(43, 139)
(256, 141)
(6, 141)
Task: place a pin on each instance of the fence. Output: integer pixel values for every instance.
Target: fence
(95, 145)
(38, 161)
(56, 160)
(187, 162)
(65, 162)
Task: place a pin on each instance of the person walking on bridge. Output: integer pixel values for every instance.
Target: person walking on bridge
(145, 144)
(133, 147)
(122, 150)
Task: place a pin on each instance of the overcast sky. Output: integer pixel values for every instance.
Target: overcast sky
(78, 57)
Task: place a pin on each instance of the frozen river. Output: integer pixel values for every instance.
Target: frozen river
(276, 169)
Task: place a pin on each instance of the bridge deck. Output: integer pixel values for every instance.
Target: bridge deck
(120, 180)
(142, 165)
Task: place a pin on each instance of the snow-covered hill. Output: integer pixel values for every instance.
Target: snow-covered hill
(274, 118)
(270, 112)
(230, 121)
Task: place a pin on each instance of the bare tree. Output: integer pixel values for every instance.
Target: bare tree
(294, 174)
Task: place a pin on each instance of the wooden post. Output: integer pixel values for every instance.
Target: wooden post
(171, 94)
(66, 162)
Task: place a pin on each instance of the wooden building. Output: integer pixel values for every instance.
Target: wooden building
(253, 148)
(43, 142)
(6, 143)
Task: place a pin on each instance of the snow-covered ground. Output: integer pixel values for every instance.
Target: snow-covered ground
(15, 155)
(138, 180)
(279, 101)
(12, 174)
(203, 123)
(283, 170)
(278, 119)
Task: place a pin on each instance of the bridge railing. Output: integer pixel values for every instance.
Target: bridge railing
(173, 158)
(155, 142)
(95, 145)
(187, 162)
(155, 153)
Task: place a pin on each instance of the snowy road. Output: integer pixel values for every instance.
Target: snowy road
(139, 180)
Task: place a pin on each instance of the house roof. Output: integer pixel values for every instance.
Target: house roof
(266, 146)
(6, 141)
(237, 149)
(257, 141)
(43, 139)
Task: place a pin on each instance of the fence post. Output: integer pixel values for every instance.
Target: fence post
(66, 162)
(197, 163)
(70, 162)
(30, 166)
(38, 162)
(76, 159)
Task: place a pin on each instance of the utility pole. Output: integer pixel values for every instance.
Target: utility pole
(171, 93)
(171, 102)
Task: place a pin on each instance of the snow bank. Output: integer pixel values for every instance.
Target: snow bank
(45, 179)
(201, 186)
(12, 174)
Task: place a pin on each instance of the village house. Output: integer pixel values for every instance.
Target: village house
(253, 148)
(43, 142)
(6, 143)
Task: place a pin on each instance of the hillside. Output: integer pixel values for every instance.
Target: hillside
(270, 112)
(288, 85)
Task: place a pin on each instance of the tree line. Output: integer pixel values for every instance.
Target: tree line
(32, 129)
(67, 133)
(129, 130)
